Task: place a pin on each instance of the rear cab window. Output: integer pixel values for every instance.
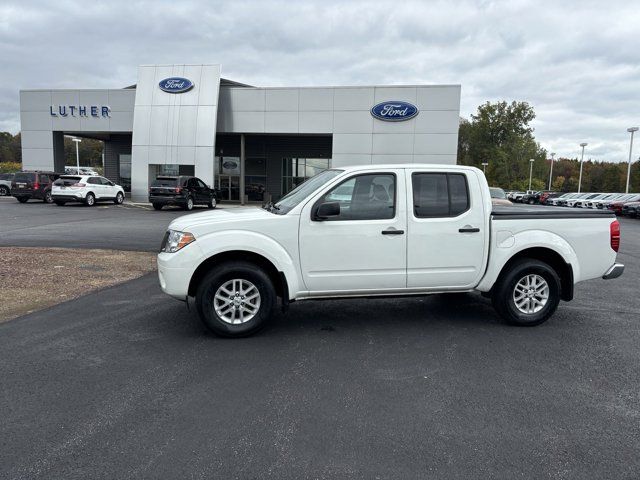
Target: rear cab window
(24, 177)
(165, 182)
(66, 181)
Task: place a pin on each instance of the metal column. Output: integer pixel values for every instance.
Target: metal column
(242, 161)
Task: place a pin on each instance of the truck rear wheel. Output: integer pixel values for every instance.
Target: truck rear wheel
(236, 299)
(527, 294)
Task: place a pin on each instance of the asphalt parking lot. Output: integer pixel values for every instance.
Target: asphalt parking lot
(126, 383)
(125, 227)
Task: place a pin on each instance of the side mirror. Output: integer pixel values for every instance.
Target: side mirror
(327, 210)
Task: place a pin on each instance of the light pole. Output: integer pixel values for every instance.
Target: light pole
(531, 170)
(631, 130)
(77, 140)
(551, 171)
(583, 144)
(484, 167)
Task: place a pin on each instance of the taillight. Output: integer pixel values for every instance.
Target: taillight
(36, 186)
(178, 189)
(614, 231)
(78, 185)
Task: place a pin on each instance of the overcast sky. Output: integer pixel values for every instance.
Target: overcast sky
(577, 63)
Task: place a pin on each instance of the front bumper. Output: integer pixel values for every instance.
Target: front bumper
(614, 271)
(175, 270)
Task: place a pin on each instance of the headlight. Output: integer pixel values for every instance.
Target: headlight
(175, 240)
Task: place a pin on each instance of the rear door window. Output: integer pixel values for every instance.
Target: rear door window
(94, 181)
(439, 194)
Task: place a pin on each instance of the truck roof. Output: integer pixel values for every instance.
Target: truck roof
(432, 166)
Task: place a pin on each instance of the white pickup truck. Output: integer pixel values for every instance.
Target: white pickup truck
(384, 230)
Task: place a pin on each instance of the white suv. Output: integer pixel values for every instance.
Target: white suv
(87, 189)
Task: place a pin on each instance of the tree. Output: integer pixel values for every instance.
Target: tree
(10, 147)
(500, 134)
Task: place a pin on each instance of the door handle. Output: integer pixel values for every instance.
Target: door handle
(392, 231)
(468, 229)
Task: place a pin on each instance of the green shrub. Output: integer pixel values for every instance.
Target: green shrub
(10, 167)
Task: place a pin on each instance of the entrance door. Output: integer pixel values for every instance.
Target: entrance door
(229, 186)
(365, 246)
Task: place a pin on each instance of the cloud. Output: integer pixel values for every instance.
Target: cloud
(577, 63)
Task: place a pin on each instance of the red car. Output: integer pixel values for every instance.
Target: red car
(616, 207)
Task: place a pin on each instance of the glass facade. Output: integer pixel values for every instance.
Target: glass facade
(296, 170)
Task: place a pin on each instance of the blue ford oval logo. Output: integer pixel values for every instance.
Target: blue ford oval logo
(394, 111)
(175, 85)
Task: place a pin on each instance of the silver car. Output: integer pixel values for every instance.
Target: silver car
(5, 183)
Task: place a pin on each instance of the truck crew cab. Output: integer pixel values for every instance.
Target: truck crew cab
(384, 230)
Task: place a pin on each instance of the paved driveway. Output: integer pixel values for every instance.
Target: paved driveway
(125, 383)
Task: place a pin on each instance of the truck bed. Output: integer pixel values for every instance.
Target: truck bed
(504, 212)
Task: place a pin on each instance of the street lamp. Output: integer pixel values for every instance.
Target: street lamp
(77, 140)
(531, 170)
(551, 171)
(484, 167)
(631, 130)
(583, 144)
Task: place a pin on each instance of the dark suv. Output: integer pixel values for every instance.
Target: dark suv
(183, 191)
(26, 185)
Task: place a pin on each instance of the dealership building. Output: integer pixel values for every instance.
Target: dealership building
(251, 143)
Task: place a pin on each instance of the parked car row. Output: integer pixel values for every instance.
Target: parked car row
(90, 188)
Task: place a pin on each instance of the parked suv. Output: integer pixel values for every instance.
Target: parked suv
(87, 189)
(5, 184)
(183, 191)
(26, 185)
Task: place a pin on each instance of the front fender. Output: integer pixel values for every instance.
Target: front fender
(243, 240)
(506, 245)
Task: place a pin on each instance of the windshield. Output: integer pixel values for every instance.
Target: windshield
(497, 192)
(298, 194)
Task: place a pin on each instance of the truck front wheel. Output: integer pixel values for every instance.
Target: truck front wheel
(527, 293)
(236, 299)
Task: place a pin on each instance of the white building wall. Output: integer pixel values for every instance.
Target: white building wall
(174, 128)
(37, 122)
(345, 112)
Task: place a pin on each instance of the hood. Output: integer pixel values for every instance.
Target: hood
(500, 201)
(219, 216)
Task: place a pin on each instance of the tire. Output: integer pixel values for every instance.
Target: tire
(531, 201)
(212, 203)
(504, 292)
(90, 200)
(157, 206)
(226, 275)
(4, 191)
(48, 198)
(119, 199)
(22, 199)
(189, 205)
(60, 203)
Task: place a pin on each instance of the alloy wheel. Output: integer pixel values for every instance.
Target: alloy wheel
(237, 301)
(531, 294)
